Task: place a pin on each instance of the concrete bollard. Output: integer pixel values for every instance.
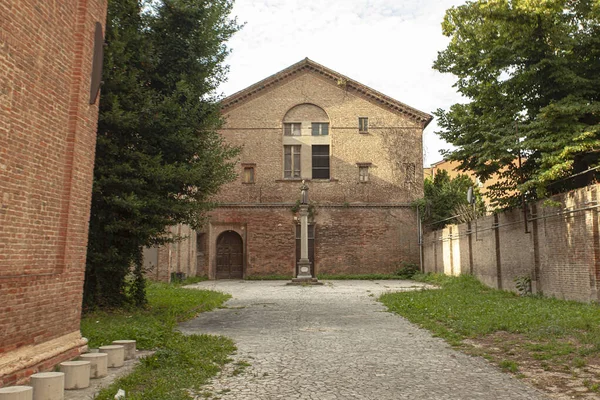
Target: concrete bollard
(98, 364)
(129, 348)
(116, 355)
(16, 393)
(48, 386)
(77, 374)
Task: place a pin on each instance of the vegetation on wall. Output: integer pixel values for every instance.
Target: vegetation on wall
(445, 201)
(528, 71)
(159, 157)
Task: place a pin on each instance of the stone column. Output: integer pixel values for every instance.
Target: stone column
(304, 263)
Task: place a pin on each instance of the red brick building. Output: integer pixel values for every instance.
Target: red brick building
(47, 141)
(360, 152)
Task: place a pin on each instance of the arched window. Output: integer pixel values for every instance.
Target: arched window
(306, 150)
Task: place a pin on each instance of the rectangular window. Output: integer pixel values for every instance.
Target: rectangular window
(292, 129)
(363, 173)
(248, 176)
(363, 125)
(320, 161)
(320, 129)
(291, 161)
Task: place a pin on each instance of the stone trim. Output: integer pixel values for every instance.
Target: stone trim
(28, 357)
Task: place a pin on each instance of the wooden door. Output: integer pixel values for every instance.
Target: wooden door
(230, 256)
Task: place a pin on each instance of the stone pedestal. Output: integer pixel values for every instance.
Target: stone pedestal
(16, 393)
(98, 364)
(116, 355)
(48, 386)
(304, 276)
(129, 348)
(77, 374)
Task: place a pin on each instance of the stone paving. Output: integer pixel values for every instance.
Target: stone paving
(337, 342)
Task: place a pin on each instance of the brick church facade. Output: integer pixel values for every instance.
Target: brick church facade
(360, 153)
(48, 120)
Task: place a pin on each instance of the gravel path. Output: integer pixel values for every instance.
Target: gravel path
(337, 342)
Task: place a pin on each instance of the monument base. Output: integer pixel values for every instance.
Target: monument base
(305, 281)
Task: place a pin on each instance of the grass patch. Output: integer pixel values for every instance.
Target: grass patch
(180, 362)
(269, 278)
(510, 330)
(363, 277)
(405, 271)
(465, 308)
(190, 280)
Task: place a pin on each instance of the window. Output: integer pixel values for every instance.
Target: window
(291, 161)
(410, 172)
(320, 129)
(292, 129)
(320, 161)
(363, 125)
(363, 173)
(248, 176)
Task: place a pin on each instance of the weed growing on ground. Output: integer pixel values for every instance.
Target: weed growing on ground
(509, 365)
(240, 366)
(180, 362)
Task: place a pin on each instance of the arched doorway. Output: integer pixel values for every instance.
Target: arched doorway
(230, 256)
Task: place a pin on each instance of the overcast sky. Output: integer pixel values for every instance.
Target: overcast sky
(389, 45)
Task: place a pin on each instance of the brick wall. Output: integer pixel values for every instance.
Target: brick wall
(47, 142)
(359, 240)
(558, 247)
(348, 240)
(393, 141)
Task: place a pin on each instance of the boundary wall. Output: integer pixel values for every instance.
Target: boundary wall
(557, 247)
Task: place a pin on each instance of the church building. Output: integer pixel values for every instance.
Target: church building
(359, 151)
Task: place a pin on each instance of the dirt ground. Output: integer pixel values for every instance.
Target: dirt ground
(561, 376)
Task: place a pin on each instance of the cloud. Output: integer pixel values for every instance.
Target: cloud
(385, 44)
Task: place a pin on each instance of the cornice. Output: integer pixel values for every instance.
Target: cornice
(308, 65)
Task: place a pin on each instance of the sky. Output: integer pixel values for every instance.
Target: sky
(388, 45)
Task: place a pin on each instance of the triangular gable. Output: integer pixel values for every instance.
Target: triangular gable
(308, 65)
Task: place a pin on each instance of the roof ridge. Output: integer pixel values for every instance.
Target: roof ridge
(307, 63)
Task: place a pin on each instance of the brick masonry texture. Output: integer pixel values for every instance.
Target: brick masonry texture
(47, 142)
(360, 227)
(558, 248)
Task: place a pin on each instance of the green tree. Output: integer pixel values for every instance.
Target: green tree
(445, 201)
(528, 70)
(159, 157)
